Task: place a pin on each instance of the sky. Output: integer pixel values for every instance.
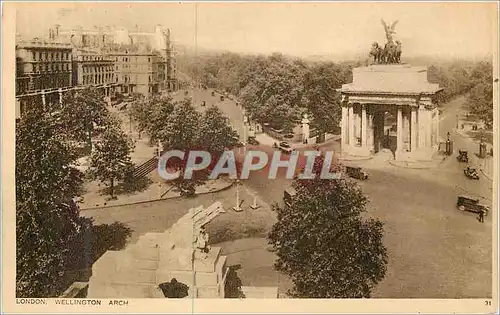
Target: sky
(323, 28)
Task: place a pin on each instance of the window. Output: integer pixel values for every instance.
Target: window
(51, 56)
(149, 59)
(34, 56)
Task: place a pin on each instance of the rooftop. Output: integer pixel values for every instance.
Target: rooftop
(390, 79)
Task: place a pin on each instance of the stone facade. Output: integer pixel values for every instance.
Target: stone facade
(157, 258)
(401, 90)
(138, 72)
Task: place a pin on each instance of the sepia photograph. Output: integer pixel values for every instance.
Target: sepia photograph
(212, 153)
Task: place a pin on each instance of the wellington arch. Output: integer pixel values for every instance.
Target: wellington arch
(400, 91)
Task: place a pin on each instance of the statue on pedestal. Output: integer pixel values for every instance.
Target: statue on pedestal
(391, 53)
(202, 243)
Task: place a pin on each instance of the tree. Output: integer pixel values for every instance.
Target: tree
(84, 114)
(216, 134)
(181, 132)
(324, 245)
(480, 101)
(152, 115)
(47, 219)
(110, 161)
(321, 97)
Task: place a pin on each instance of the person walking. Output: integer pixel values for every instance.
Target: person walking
(481, 216)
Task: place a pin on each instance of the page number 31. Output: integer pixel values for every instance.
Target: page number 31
(487, 303)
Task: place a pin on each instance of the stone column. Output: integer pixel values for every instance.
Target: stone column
(363, 126)
(413, 129)
(350, 123)
(343, 125)
(429, 129)
(421, 126)
(399, 132)
(437, 126)
(369, 137)
(406, 128)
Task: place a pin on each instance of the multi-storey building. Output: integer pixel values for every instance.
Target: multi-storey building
(138, 61)
(92, 68)
(43, 69)
(120, 41)
(138, 72)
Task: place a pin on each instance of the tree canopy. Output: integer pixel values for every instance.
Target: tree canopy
(324, 244)
(110, 161)
(47, 219)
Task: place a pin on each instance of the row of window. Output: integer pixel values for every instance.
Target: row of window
(93, 58)
(89, 69)
(51, 67)
(126, 79)
(136, 66)
(50, 56)
(126, 59)
(98, 78)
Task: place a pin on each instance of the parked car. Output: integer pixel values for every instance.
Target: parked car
(356, 172)
(213, 93)
(466, 203)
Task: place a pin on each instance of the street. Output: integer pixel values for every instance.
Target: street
(434, 249)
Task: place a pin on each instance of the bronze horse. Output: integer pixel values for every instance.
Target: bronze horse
(391, 53)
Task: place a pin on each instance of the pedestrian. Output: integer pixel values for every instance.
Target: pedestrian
(481, 215)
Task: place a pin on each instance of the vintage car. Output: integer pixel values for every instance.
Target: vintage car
(471, 173)
(356, 172)
(285, 147)
(222, 97)
(466, 203)
(462, 156)
(288, 195)
(213, 93)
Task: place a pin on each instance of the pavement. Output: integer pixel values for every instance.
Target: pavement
(158, 190)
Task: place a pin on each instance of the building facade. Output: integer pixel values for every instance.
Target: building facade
(121, 41)
(401, 91)
(138, 72)
(93, 69)
(43, 70)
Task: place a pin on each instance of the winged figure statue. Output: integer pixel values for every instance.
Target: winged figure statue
(389, 30)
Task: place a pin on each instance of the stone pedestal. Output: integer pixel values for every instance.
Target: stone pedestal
(157, 258)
